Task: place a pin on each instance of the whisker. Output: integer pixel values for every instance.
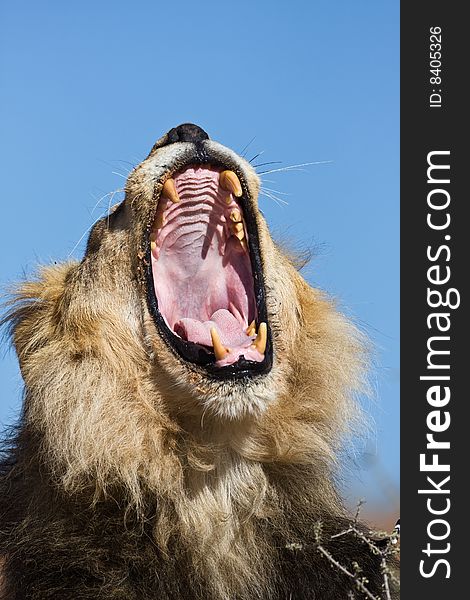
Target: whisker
(81, 238)
(256, 156)
(243, 152)
(296, 167)
(120, 174)
(279, 201)
(276, 191)
(109, 163)
(271, 162)
(127, 162)
(105, 196)
(111, 195)
(111, 198)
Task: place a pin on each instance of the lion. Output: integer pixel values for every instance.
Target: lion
(186, 398)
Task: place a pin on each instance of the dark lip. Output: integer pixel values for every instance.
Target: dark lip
(192, 353)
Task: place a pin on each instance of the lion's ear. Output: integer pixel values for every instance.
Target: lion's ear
(32, 312)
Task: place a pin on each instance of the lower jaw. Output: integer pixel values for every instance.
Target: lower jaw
(197, 358)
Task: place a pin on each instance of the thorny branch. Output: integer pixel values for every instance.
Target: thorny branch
(358, 582)
(384, 546)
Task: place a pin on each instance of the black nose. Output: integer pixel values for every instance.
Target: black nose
(186, 133)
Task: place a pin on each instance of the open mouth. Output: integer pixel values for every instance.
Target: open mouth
(206, 285)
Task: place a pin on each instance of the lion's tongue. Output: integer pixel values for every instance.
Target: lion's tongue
(232, 334)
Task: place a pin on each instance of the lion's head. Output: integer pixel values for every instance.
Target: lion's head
(186, 358)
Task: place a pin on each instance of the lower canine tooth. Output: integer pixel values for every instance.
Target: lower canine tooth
(169, 190)
(219, 350)
(261, 338)
(159, 220)
(229, 181)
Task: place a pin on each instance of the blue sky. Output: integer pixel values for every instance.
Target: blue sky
(88, 87)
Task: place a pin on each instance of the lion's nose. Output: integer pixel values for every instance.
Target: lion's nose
(187, 132)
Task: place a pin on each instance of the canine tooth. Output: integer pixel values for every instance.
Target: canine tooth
(237, 227)
(251, 329)
(261, 338)
(239, 234)
(235, 216)
(169, 190)
(219, 350)
(230, 182)
(159, 219)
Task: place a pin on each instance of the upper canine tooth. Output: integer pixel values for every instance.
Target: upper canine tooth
(230, 182)
(239, 234)
(261, 338)
(169, 190)
(237, 227)
(219, 350)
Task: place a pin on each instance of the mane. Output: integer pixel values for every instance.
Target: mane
(106, 426)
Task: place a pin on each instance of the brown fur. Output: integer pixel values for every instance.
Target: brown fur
(117, 417)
